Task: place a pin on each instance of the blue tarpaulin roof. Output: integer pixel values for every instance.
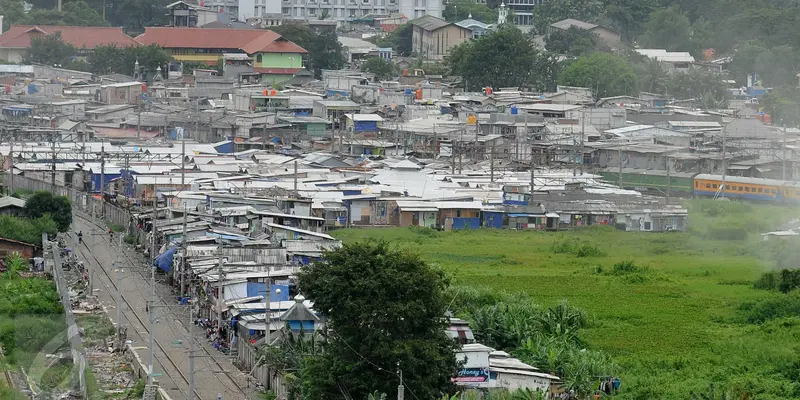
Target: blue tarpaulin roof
(164, 260)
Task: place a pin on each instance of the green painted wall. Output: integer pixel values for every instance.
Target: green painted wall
(316, 129)
(279, 60)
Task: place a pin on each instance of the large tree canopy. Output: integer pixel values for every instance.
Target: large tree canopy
(386, 310)
(503, 58)
(45, 203)
(50, 50)
(607, 74)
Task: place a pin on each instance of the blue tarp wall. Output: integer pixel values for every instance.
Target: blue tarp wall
(259, 288)
(108, 178)
(225, 148)
(493, 219)
(164, 260)
(366, 126)
(466, 223)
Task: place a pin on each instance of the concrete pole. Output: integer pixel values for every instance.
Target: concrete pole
(190, 327)
(219, 285)
(183, 257)
(151, 303)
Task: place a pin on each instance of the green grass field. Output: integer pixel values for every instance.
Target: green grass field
(674, 324)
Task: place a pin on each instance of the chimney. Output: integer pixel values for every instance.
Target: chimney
(1, 24)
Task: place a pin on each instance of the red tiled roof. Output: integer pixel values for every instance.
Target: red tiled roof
(277, 71)
(248, 40)
(89, 37)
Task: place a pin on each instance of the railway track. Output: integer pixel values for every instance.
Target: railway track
(144, 324)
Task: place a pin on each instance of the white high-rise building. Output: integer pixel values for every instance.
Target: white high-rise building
(337, 10)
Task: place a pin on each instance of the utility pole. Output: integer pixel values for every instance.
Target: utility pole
(669, 181)
(53, 146)
(183, 257)
(11, 165)
(491, 164)
(190, 328)
(724, 166)
(783, 164)
(619, 174)
(400, 388)
(138, 120)
(295, 178)
(183, 161)
(102, 168)
(268, 310)
(116, 267)
(151, 303)
(583, 133)
(219, 285)
(59, 5)
(533, 173)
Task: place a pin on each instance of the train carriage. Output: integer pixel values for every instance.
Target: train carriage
(737, 187)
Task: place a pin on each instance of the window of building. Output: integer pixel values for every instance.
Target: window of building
(759, 190)
(714, 186)
(746, 189)
(740, 188)
(259, 58)
(708, 186)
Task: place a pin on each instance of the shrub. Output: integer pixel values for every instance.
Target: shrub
(129, 239)
(627, 267)
(578, 249)
(726, 233)
(785, 280)
(772, 308)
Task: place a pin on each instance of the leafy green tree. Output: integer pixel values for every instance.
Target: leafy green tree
(136, 15)
(290, 356)
(45, 203)
(552, 11)
(51, 50)
(783, 104)
(744, 60)
(629, 16)
(113, 59)
(650, 75)
(607, 74)
(385, 307)
(668, 29)
(324, 49)
(399, 40)
(505, 57)
(383, 69)
(13, 12)
(696, 84)
(777, 66)
(572, 42)
(74, 13)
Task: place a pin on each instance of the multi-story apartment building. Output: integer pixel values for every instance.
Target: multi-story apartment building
(340, 11)
(522, 11)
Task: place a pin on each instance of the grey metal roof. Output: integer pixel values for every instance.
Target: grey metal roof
(429, 22)
(565, 24)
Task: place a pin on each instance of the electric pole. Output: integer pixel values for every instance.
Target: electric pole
(102, 168)
(219, 285)
(151, 303)
(190, 327)
(183, 257)
(53, 145)
(117, 270)
(400, 388)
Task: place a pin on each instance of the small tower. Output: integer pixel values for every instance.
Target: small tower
(502, 14)
(137, 74)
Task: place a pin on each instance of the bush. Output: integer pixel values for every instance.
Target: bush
(27, 230)
(771, 308)
(578, 249)
(726, 233)
(786, 280)
(129, 239)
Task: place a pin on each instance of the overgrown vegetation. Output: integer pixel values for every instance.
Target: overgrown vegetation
(693, 319)
(25, 229)
(44, 203)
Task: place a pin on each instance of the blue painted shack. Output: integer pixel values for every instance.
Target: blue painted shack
(360, 123)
